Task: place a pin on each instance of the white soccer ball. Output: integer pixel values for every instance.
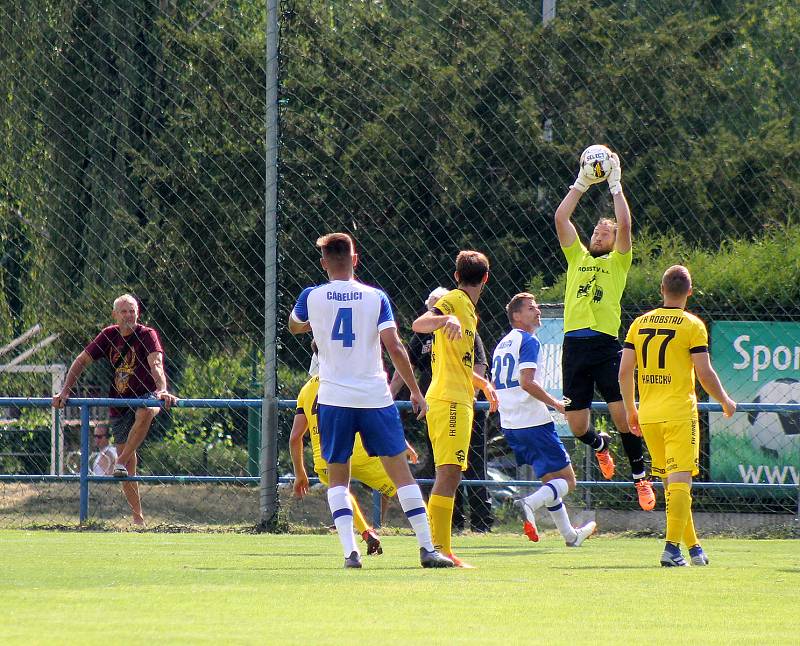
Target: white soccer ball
(776, 432)
(596, 162)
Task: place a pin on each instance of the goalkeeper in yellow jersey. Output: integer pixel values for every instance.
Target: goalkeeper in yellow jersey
(453, 322)
(668, 346)
(368, 470)
(596, 277)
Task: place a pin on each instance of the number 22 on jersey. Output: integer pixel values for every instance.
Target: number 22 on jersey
(499, 363)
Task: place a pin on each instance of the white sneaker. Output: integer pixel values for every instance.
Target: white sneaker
(582, 533)
(120, 471)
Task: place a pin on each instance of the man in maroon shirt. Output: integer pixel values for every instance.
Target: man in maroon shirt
(135, 353)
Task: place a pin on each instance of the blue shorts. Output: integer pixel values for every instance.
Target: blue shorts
(538, 446)
(380, 428)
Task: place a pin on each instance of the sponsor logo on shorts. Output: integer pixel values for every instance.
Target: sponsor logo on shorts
(451, 419)
(460, 456)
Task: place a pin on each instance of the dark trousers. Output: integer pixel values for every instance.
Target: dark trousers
(477, 497)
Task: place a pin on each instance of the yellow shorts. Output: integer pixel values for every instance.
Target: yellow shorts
(370, 472)
(674, 446)
(450, 428)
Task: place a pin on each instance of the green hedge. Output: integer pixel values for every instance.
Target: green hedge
(747, 278)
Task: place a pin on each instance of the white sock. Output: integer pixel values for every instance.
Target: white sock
(558, 513)
(411, 501)
(548, 494)
(342, 511)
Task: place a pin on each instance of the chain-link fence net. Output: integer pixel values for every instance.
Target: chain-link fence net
(424, 128)
(133, 161)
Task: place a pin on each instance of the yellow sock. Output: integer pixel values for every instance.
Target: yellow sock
(679, 509)
(358, 518)
(440, 511)
(689, 535)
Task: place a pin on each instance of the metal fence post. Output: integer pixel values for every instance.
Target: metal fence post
(84, 481)
(269, 410)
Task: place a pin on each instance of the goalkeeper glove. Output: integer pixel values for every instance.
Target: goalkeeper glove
(615, 176)
(583, 181)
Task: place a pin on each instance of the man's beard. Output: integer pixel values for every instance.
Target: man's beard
(596, 252)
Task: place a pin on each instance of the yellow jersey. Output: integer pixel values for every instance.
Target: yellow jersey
(452, 361)
(594, 289)
(307, 405)
(664, 340)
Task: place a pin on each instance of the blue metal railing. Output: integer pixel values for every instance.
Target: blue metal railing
(84, 478)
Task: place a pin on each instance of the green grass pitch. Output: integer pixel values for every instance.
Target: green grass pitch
(137, 588)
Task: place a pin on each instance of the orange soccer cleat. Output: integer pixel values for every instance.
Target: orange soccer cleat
(647, 498)
(530, 531)
(606, 463)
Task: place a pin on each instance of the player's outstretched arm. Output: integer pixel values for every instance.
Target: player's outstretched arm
(622, 212)
(75, 370)
(710, 381)
(397, 352)
(529, 385)
(627, 386)
(429, 322)
(299, 428)
(567, 233)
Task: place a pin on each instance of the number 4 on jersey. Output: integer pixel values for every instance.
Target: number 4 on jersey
(343, 327)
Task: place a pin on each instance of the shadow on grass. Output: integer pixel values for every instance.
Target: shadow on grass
(300, 568)
(605, 567)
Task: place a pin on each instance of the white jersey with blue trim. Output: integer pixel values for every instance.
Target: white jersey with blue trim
(518, 409)
(346, 318)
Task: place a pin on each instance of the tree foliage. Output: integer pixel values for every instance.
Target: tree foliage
(133, 153)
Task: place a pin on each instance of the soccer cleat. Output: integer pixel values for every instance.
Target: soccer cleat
(529, 529)
(433, 559)
(697, 556)
(120, 471)
(672, 557)
(582, 533)
(457, 562)
(604, 459)
(373, 542)
(647, 498)
(353, 561)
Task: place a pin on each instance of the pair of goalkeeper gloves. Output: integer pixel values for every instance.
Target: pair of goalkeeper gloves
(583, 181)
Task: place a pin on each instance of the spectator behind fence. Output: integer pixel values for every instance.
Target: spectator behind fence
(106, 458)
(664, 349)
(419, 353)
(135, 353)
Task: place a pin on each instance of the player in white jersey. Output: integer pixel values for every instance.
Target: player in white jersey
(527, 423)
(349, 321)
